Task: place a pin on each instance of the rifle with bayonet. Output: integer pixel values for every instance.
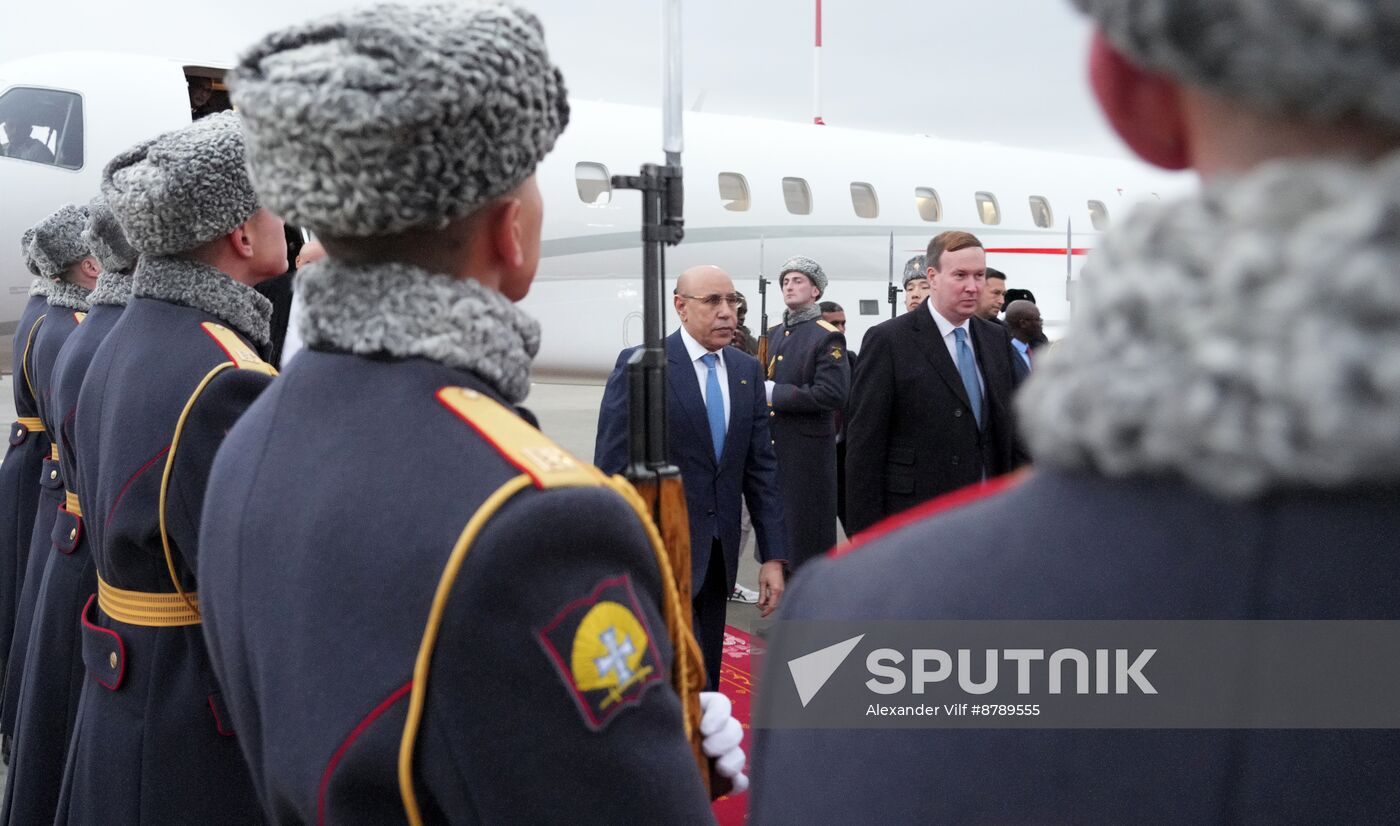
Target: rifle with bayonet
(763, 283)
(650, 471)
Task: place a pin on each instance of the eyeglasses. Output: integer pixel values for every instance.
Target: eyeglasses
(713, 300)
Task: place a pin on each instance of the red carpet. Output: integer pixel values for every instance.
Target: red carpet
(736, 681)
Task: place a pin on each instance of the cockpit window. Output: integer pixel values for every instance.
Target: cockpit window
(42, 126)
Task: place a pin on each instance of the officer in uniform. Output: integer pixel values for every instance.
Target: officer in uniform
(1196, 458)
(53, 672)
(456, 621)
(62, 254)
(809, 379)
(153, 742)
(29, 446)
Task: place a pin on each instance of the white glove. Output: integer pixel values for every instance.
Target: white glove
(723, 734)
(768, 388)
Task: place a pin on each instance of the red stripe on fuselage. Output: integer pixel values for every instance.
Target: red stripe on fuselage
(1039, 250)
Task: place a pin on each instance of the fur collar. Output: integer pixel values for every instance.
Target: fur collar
(407, 312)
(1244, 339)
(70, 296)
(40, 286)
(812, 313)
(112, 288)
(201, 287)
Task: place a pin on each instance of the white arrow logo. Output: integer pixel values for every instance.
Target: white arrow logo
(811, 671)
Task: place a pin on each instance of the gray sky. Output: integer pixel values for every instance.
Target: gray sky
(1001, 71)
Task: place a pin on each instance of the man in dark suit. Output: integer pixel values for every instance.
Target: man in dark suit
(930, 409)
(1027, 330)
(717, 434)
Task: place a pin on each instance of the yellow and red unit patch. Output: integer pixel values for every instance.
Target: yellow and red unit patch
(601, 646)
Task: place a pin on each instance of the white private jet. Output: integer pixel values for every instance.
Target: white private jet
(757, 192)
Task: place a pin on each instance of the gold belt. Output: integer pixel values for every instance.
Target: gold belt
(32, 425)
(156, 610)
(71, 505)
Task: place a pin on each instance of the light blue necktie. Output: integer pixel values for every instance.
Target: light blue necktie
(714, 403)
(967, 367)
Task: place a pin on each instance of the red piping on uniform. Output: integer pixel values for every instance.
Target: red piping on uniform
(1040, 250)
(122, 493)
(218, 721)
(534, 477)
(349, 741)
(939, 504)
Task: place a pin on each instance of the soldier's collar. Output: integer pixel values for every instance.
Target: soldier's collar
(811, 313)
(1208, 343)
(40, 286)
(68, 295)
(112, 288)
(408, 312)
(202, 287)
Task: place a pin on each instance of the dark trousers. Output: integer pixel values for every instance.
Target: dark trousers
(708, 606)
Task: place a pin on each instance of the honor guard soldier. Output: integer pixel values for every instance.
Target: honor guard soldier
(152, 742)
(29, 447)
(809, 379)
(61, 254)
(498, 647)
(1217, 437)
(53, 671)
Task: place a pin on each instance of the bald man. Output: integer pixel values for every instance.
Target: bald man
(717, 434)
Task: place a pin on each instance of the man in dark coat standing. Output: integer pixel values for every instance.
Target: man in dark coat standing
(809, 379)
(153, 741)
(1196, 459)
(930, 411)
(717, 434)
(404, 649)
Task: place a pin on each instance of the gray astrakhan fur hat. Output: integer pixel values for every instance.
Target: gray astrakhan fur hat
(104, 236)
(26, 250)
(806, 266)
(393, 117)
(915, 268)
(1326, 60)
(58, 241)
(186, 187)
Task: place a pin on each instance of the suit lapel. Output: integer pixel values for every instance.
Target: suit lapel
(686, 386)
(740, 399)
(931, 344)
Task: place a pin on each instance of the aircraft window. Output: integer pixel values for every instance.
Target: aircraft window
(594, 184)
(930, 207)
(864, 201)
(42, 125)
(1098, 213)
(734, 191)
(987, 208)
(1041, 212)
(869, 306)
(798, 196)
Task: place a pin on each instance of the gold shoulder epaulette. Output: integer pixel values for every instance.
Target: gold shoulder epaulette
(827, 325)
(536, 455)
(239, 353)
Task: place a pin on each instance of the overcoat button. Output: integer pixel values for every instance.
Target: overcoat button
(112, 659)
(53, 474)
(72, 534)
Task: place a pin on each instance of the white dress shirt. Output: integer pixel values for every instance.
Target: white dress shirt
(702, 373)
(945, 329)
